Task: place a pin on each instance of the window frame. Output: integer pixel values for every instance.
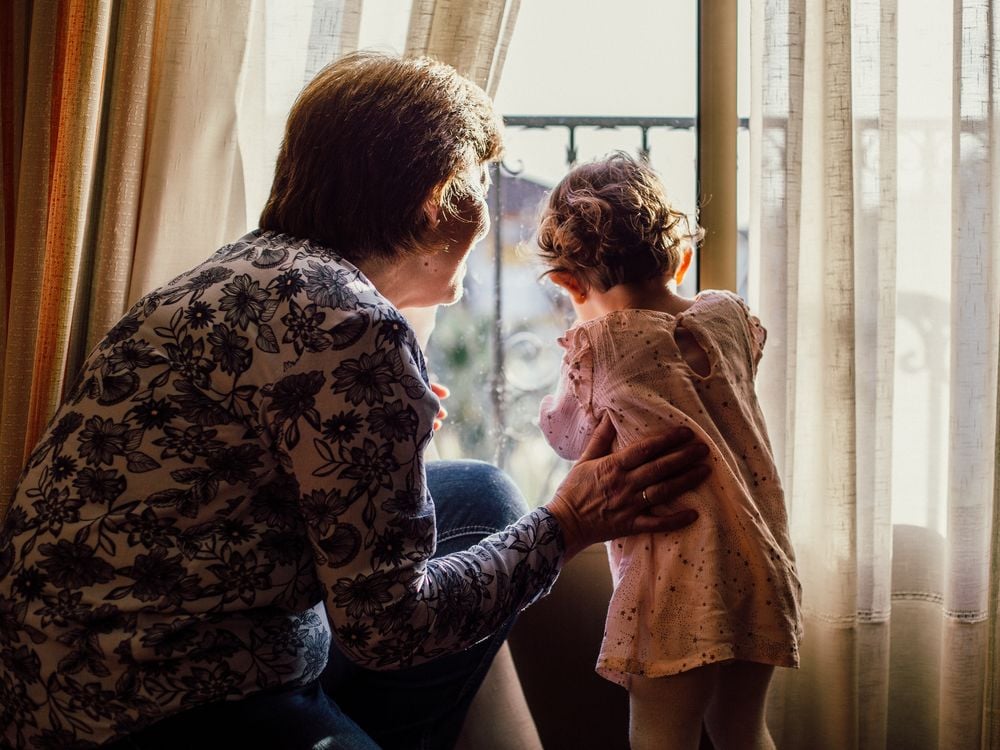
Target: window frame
(716, 133)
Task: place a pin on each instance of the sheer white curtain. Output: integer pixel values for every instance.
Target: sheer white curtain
(875, 182)
(192, 184)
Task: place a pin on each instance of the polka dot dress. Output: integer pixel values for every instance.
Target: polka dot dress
(724, 587)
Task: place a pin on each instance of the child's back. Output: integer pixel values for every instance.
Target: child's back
(726, 587)
(724, 591)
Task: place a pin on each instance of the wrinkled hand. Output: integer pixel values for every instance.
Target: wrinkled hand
(442, 393)
(602, 496)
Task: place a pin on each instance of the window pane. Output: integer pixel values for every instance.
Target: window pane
(642, 64)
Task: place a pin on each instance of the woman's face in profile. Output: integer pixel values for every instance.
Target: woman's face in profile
(457, 233)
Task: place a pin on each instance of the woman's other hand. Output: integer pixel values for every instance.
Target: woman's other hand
(609, 495)
(442, 393)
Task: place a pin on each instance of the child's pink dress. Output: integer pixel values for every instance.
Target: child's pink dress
(724, 587)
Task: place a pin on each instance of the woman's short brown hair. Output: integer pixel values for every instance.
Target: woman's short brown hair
(366, 143)
(609, 222)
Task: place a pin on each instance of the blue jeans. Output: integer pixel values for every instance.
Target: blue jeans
(351, 708)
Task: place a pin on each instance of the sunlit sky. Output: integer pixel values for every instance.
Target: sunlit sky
(629, 57)
(573, 58)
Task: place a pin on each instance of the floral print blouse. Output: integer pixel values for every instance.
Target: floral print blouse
(237, 476)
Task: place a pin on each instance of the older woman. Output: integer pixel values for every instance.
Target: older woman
(227, 531)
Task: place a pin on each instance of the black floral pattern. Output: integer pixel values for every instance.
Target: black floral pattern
(241, 450)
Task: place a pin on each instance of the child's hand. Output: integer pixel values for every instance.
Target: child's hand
(442, 393)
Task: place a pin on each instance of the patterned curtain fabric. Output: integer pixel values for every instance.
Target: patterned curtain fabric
(876, 226)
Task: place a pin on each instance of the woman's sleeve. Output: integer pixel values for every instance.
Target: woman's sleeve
(567, 418)
(351, 423)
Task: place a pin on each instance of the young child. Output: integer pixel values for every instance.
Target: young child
(699, 618)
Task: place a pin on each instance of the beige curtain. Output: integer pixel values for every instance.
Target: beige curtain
(192, 192)
(105, 104)
(473, 36)
(875, 207)
(53, 67)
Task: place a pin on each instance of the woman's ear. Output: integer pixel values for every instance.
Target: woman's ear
(432, 208)
(566, 280)
(432, 204)
(682, 269)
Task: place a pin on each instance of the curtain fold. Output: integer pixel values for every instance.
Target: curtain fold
(334, 31)
(113, 213)
(118, 136)
(991, 714)
(875, 241)
(193, 196)
(55, 169)
(471, 35)
(14, 25)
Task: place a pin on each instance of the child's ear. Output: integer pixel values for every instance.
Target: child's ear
(682, 269)
(569, 282)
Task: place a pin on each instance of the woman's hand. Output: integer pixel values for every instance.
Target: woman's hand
(442, 393)
(628, 492)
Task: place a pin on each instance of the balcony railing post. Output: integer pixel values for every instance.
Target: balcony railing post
(571, 154)
(498, 384)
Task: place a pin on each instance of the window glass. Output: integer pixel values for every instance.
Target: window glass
(496, 349)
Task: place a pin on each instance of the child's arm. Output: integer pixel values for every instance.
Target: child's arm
(567, 418)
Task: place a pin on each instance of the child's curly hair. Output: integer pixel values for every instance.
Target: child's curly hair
(609, 222)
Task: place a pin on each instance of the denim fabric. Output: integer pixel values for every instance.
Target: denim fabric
(423, 707)
(351, 708)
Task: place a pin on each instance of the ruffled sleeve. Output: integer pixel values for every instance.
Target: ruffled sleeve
(756, 332)
(758, 335)
(567, 417)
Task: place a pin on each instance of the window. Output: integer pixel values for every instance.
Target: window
(568, 94)
(579, 80)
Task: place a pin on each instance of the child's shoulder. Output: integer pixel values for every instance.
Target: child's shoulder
(720, 312)
(719, 302)
(585, 335)
(719, 297)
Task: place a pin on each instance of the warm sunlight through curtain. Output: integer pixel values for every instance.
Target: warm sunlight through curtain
(193, 198)
(875, 216)
(472, 35)
(104, 105)
(52, 68)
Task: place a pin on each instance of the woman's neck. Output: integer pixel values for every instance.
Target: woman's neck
(654, 294)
